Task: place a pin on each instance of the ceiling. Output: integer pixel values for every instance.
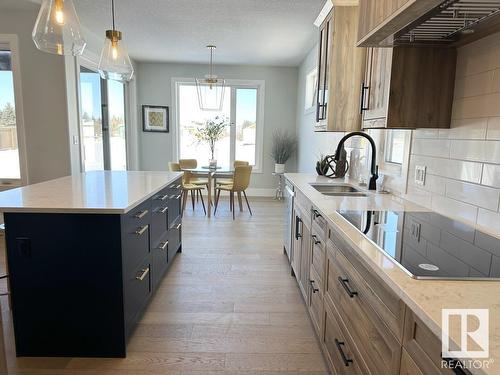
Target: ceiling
(254, 32)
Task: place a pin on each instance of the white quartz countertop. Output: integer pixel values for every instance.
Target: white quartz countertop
(100, 192)
(426, 298)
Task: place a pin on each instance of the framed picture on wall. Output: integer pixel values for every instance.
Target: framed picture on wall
(155, 118)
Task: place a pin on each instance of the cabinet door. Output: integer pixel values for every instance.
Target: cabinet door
(377, 86)
(304, 261)
(408, 366)
(323, 71)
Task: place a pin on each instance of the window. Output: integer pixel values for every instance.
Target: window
(102, 122)
(395, 146)
(12, 171)
(241, 109)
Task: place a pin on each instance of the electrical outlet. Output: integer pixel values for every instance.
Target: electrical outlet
(420, 172)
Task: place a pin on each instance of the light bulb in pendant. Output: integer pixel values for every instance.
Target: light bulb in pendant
(114, 50)
(58, 12)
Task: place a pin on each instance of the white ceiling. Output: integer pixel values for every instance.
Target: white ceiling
(255, 32)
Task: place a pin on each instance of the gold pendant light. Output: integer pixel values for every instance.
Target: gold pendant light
(211, 88)
(57, 28)
(114, 62)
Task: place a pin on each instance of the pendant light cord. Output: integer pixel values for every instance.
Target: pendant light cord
(211, 61)
(113, 13)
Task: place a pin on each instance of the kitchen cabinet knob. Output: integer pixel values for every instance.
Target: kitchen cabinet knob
(345, 359)
(344, 282)
(141, 214)
(163, 245)
(143, 275)
(141, 230)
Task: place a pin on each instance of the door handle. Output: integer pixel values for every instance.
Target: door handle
(316, 214)
(178, 226)
(345, 359)
(362, 107)
(297, 223)
(162, 197)
(141, 214)
(162, 210)
(141, 230)
(163, 245)
(315, 239)
(314, 290)
(143, 275)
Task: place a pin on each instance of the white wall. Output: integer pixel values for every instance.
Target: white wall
(463, 163)
(154, 87)
(44, 100)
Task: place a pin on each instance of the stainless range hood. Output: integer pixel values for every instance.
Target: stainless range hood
(447, 23)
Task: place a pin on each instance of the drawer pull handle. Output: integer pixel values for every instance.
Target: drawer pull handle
(178, 226)
(141, 230)
(298, 222)
(316, 214)
(162, 210)
(315, 239)
(339, 345)
(344, 282)
(178, 186)
(176, 197)
(162, 197)
(163, 245)
(314, 290)
(143, 275)
(141, 214)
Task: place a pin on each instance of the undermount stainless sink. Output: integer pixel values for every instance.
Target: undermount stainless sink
(338, 190)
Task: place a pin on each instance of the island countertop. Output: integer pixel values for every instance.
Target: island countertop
(98, 192)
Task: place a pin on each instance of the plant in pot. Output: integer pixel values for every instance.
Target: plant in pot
(210, 132)
(284, 145)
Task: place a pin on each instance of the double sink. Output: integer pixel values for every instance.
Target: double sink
(336, 190)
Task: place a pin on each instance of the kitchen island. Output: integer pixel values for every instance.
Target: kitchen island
(85, 254)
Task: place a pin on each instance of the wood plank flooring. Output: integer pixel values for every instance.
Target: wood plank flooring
(227, 306)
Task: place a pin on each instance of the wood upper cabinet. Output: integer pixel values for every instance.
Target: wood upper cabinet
(379, 19)
(408, 87)
(340, 72)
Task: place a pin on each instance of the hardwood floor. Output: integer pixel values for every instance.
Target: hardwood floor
(227, 305)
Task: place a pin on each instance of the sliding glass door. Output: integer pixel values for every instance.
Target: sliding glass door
(102, 122)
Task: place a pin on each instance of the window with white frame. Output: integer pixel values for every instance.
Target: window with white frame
(395, 146)
(12, 170)
(242, 110)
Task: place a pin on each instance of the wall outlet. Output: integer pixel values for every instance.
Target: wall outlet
(420, 172)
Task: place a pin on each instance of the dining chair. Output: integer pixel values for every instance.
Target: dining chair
(187, 187)
(229, 181)
(241, 180)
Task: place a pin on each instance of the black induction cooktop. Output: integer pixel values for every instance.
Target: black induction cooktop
(428, 245)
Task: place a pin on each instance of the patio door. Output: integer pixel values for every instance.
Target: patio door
(102, 122)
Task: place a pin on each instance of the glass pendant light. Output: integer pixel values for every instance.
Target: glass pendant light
(115, 63)
(211, 88)
(57, 28)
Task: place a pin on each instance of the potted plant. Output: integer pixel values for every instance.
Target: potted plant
(210, 132)
(284, 145)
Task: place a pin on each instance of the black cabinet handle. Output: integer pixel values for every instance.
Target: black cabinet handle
(362, 106)
(297, 224)
(315, 239)
(316, 214)
(344, 282)
(339, 345)
(314, 290)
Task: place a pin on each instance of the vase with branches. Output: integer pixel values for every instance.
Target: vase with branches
(283, 147)
(210, 132)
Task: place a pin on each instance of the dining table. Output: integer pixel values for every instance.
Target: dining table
(212, 175)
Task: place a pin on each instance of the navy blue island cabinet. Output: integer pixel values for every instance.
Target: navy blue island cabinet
(80, 281)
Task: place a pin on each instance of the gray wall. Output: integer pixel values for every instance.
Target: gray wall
(311, 144)
(154, 87)
(44, 100)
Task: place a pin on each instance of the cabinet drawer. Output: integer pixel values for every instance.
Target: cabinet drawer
(423, 346)
(408, 366)
(138, 216)
(315, 300)
(340, 352)
(137, 289)
(159, 223)
(160, 262)
(174, 237)
(318, 254)
(380, 349)
(386, 304)
(174, 206)
(135, 245)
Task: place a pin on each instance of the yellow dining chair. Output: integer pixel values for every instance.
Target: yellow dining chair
(187, 187)
(229, 181)
(241, 180)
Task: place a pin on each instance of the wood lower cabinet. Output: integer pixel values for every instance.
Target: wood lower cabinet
(408, 366)
(408, 87)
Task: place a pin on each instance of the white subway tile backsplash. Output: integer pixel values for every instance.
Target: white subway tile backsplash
(456, 169)
(483, 151)
(431, 147)
(474, 85)
(466, 129)
(473, 194)
(489, 220)
(426, 133)
(491, 175)
(493, 130)
(454, 208)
